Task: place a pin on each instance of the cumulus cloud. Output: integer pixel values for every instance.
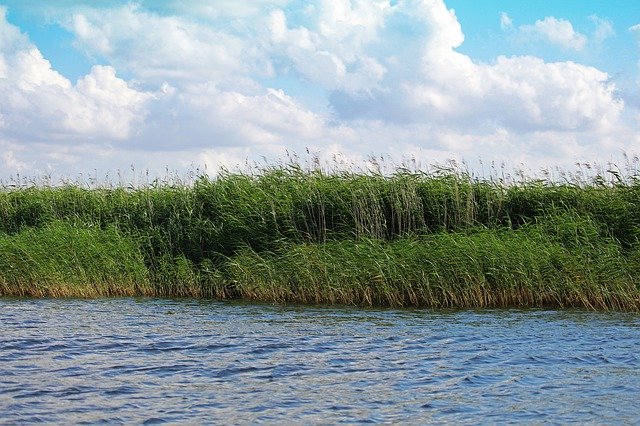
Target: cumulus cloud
(10, 36)
(203, 116)
(155, 47)
(216, 89)
(38, 103)
(216, 9)
(521, 94)
(354, 50)
(559, 32)
(330, 50)
(223, 108)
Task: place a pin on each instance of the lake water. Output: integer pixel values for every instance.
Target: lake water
(188, 361)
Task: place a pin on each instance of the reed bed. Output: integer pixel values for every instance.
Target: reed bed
(60, 260)
(482, 269)
(443, 238)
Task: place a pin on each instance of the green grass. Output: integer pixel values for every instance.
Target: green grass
(479, 269)
(60, 260)
(284, 234)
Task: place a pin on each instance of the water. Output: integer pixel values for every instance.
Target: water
(185, 361)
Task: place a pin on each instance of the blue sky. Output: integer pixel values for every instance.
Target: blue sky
(104, 85)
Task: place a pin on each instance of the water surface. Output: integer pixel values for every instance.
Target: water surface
(188, 361)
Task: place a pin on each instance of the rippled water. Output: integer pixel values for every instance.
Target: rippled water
(186, 361)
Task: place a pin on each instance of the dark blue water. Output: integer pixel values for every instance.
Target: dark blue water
(184, 361)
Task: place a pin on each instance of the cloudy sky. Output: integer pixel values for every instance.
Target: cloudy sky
(103, 85)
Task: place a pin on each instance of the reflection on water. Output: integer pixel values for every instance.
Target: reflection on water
(187, 361)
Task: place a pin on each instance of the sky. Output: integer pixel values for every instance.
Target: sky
(103, 86)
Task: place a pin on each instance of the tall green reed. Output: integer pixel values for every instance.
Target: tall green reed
(62, 260)
(189, 237)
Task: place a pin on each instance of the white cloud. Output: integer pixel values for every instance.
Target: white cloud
(521, 94)
(218, 89)
(203, 116)
(347, 47)
(330, 50)
(604, 29)
(505, 21)
(559, 32)
(155, 47)
(555, 31)
(12, 164)
(217, 9)
(205, 80)
(38, 103)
